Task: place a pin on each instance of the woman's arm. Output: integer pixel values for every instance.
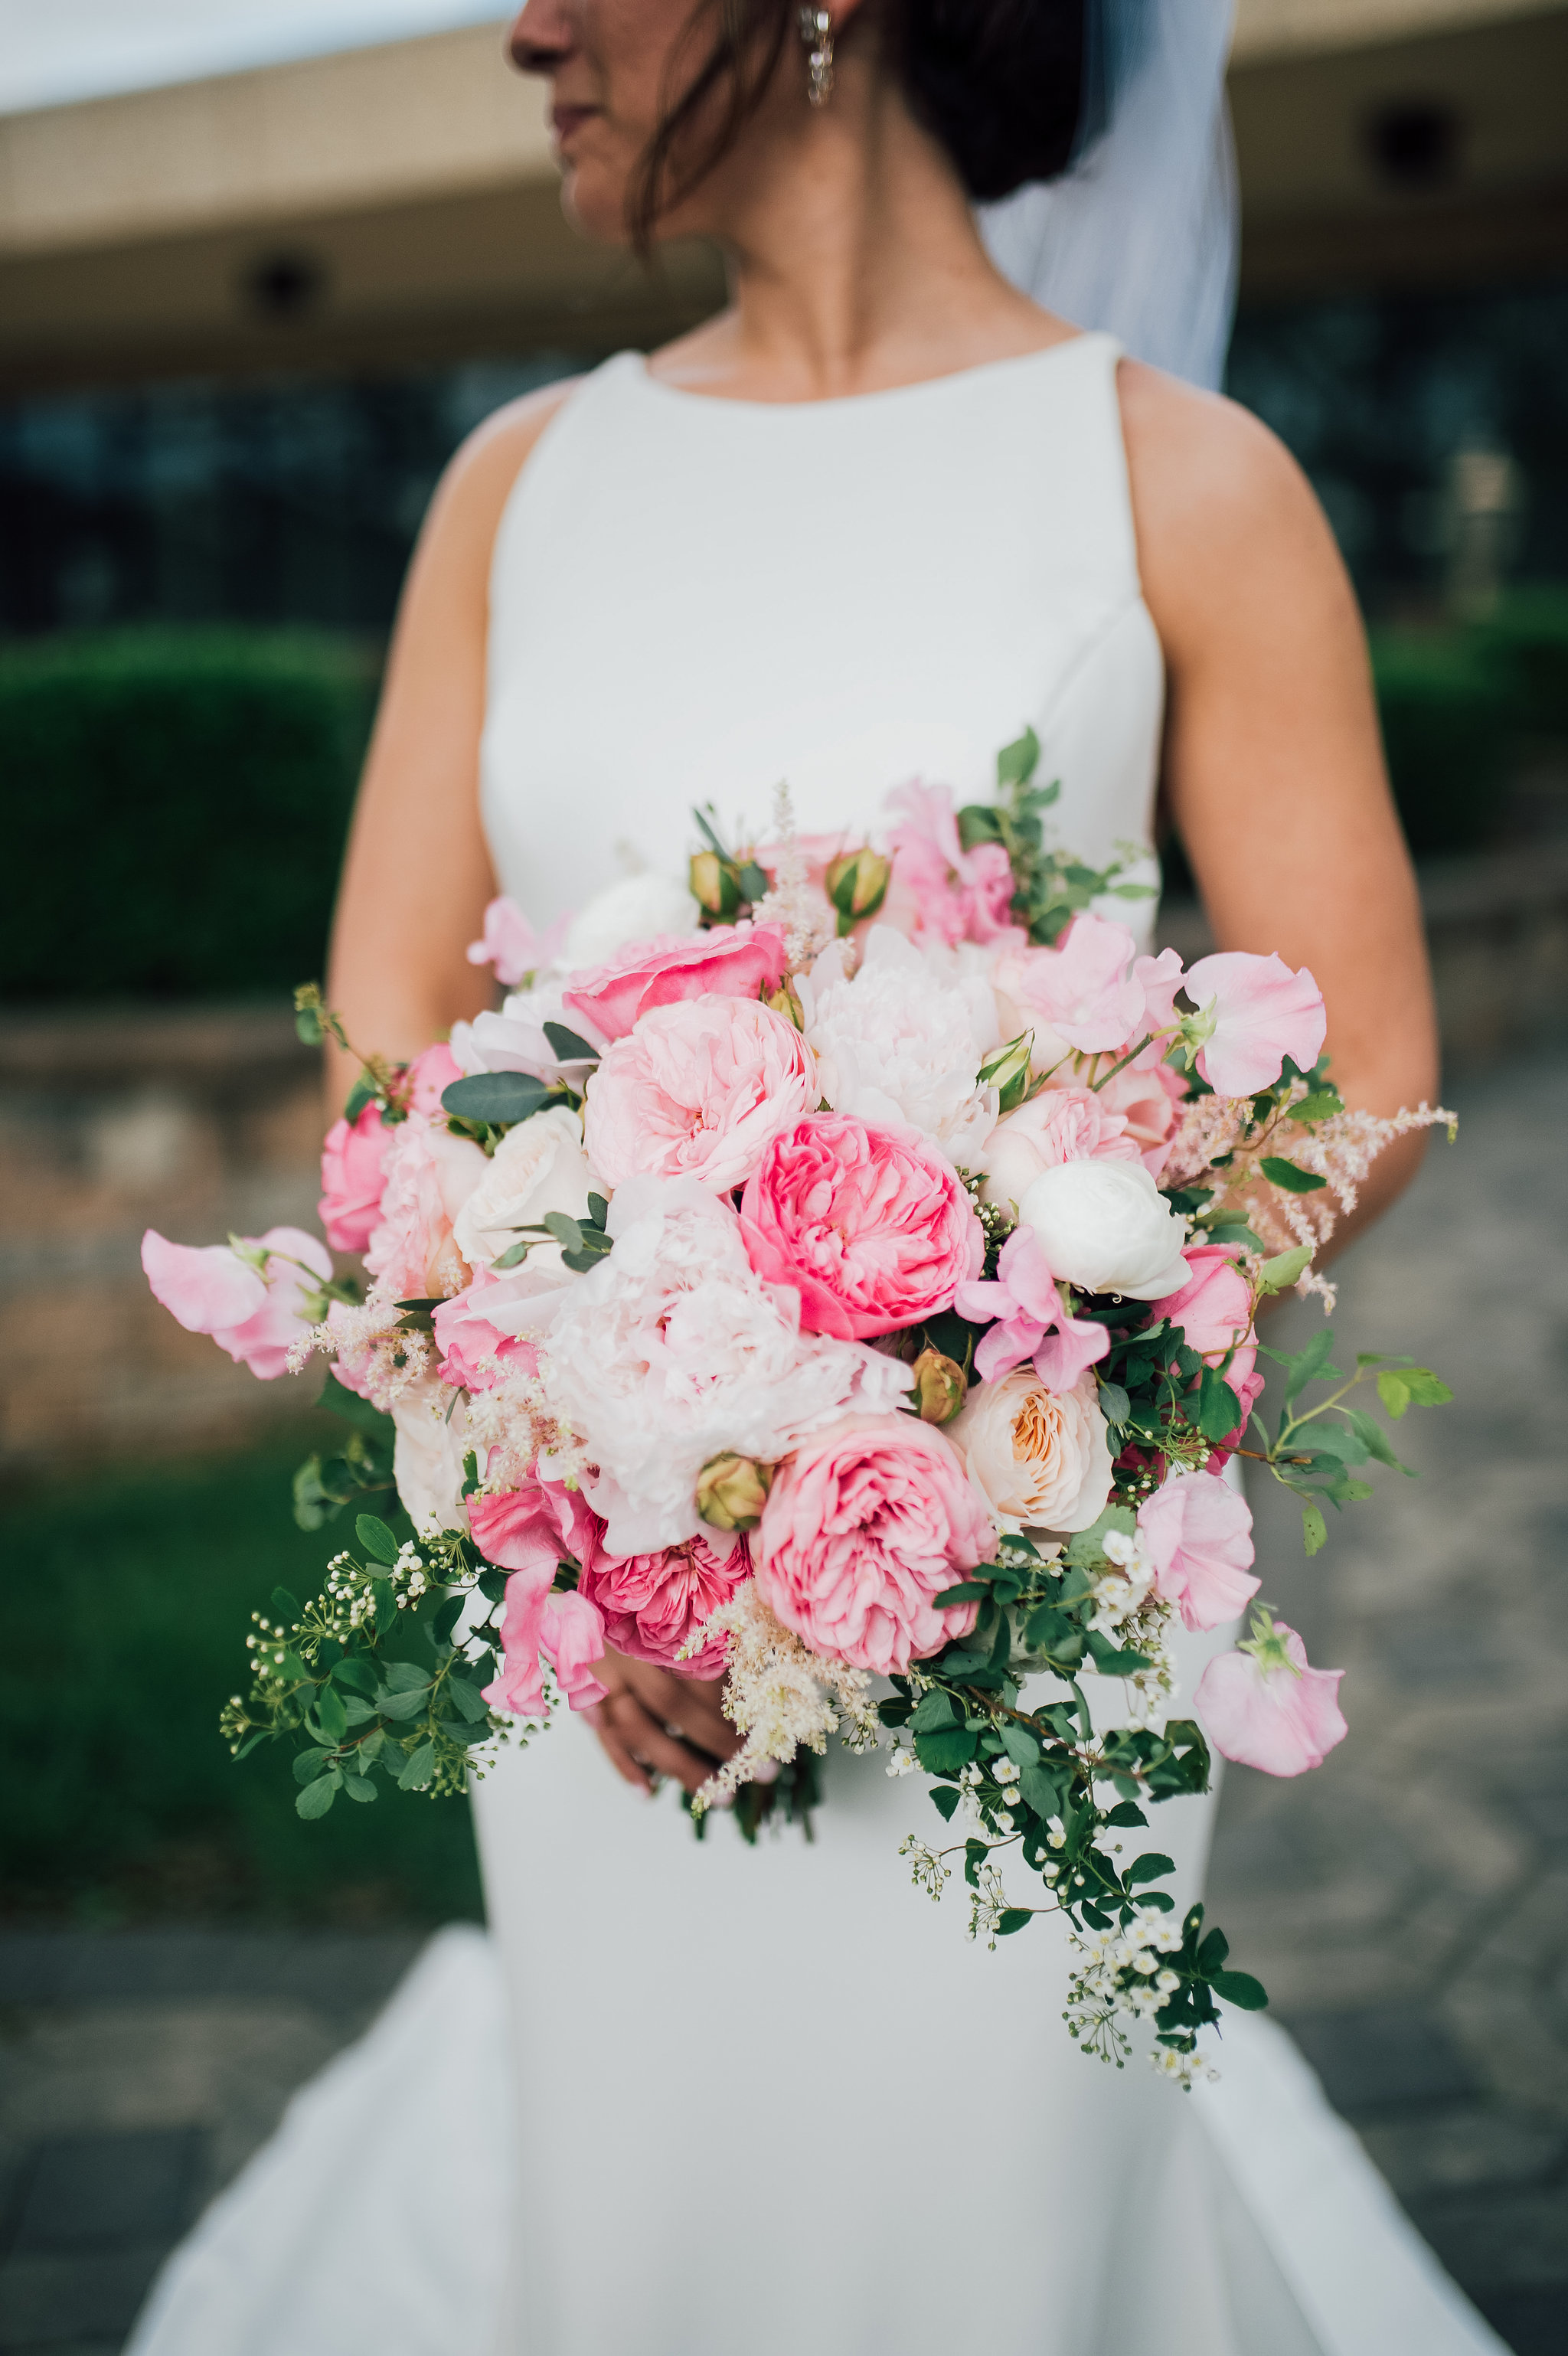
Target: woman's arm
(1273, 771)
(416, 872)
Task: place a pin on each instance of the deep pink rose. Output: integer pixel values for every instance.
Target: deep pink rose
(1264, 1707)
(865, 1524)
(699, 1090)
(1261, 1013)
(1214, 1311)
(350, 1201)
(729, 961)
(511, 945)
(1146, 1100)
(566, 1629)
(1198, 1533)
(870, 1225)
(430, 1175)
(428, 1076)
(466, 1337)
(253, 1313)
(653, 1603)
(535, 1527)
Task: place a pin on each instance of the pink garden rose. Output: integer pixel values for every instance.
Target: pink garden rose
(727, 961)
(566, 1629)
(350, 1201)
(870, 1225)
(1264, 1707)
(427, 1077)
(864, 1525)
(535, 1528)
(430, 1175)
(511, 945)
(252, 1313)
(700, 1090)
(1261, 1013)
(1146, 1100)
(1198, 1533)
(1214, 1311)
(652, 1603)
(1064, 1124)
(955, 894)
(1083, 990)
(476, 1354)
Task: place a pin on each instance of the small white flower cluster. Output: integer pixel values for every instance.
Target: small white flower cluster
(987, 1904)
(779, 1695)
(1122, 1977)
(267, 1644)
(1122, 1590)
(928, 1871)
(408, 1576)
(902, 1763)
(349, 1595)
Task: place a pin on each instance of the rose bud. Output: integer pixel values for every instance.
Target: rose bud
(1008, 1071)
(731, 1492)
(939, 1386)
(783, 1001)
(857, 884)
(714, 885)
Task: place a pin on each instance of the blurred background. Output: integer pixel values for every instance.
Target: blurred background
(261, 269)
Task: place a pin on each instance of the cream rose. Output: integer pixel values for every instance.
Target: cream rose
(1105, 1227)
(1041, 1457)
(538, 1166)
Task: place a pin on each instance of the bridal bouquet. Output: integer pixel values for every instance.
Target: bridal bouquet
(841, 1265)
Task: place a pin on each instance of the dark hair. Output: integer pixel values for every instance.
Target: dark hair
(999, 82)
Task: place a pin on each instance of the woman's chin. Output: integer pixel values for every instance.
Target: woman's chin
(593, 206)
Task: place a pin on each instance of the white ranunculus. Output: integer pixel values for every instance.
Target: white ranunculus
(673, 1349)
(637, 908)
(538, 1166)
(1041, 1457)
(1104, 1227)
(901, 1042)
(514, 1040)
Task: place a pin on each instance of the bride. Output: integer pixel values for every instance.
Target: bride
(864, 525)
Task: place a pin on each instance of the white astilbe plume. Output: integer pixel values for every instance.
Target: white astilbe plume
(513, 1425)
(778, 1694)
(383, 1357)
(806, 916)
(1205, 1129)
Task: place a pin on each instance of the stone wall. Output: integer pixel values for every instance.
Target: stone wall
(207, 1120)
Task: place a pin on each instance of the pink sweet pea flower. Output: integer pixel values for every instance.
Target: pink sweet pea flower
(1083, 990)
(1159, 978)
(572, 1638)
(654, 1604)
(253, 1313)
(1198, 1533)
(1029, 1320)
(727, 961)
(535, 1528)
(1264, 1707)
(1146, 1095)
(1261, 1013)
(567, 1629)
(350, 1201)
(511, 945)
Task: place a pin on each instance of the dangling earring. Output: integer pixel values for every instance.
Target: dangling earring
(816, 33)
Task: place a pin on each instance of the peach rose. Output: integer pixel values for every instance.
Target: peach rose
(1040, 1456)
(697, 1090)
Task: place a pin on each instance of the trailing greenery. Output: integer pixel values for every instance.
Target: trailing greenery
(133, 1593)
(175, 806)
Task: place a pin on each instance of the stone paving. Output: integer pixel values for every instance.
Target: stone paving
(1407, 1905)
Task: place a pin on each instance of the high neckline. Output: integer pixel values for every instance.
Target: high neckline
(1014, 361)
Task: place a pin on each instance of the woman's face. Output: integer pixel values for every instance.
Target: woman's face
(609, 64)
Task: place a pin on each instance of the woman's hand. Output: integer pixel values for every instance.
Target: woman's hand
(651, 1722)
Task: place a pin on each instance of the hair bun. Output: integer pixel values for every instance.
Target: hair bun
(1000, 84)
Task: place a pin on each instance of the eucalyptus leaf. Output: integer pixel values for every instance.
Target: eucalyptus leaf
(497, 1100)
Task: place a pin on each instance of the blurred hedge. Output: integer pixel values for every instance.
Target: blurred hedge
(175, 808)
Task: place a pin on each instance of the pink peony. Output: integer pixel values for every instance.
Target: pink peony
(653, 1603)
(1198, 1533)
(728, 961)
(1264, 1707)
(1083, 990)
(865, 1524)
(1262, 1011)
(466, 1338)
(535, 1528)
(1214, 1311)
(1146, 1100)
(510, 944)
(567, 1629)
(1066, 1124)
(350, 1201)
(430, 1175)
(253, 1313)
(427, 1077)
(1027, 1320)
(870, 1226)
(955, 894)
(700, 1090)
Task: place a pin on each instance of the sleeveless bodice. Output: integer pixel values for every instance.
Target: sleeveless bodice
(691, 599)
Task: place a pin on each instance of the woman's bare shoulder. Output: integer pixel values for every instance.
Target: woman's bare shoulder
(479, 477)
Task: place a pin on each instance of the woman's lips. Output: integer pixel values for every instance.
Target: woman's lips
(567, 121)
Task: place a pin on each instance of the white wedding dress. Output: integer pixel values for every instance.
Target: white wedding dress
(773, 2099)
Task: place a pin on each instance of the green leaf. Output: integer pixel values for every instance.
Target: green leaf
(933, 1710)
(1212, 1954)
(308, 1765)
(358, 1787)
(1374, 1438)
(446, 1618)
(1151, 1867)
(1322, 1105)
(1309, 1364)
(404, 1677)
(364, 1091)
(356, 1671)
(468, 1699)
(1279, 1172)
(1340, 1440)
(284, 1606)
(1021, 1747)
(1017, 762)
(1040, 1790)
(1425, 1388)
(969, 1592)
(1219, 1408)
(331, 1714)
(571, 1046)
(1085, 1546)
(945, 1799)
(1127, 1814)
(418, 1767)
(307, 1026)
(1239, 1989)
(376, 1538)
(1314, 1528)
(497, 1100)
(1284, 1268)
(1394, 1394)
(1011, 1919)
(410, 1704)
(318, 1797)
(1115, 1404)
(945, 1752)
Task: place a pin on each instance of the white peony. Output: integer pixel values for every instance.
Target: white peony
(427, 1457)
(1041, 1457)
(637, 908)
(673, 1349)
(1105, 1227)
(901, 1042)
(538, 1166)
